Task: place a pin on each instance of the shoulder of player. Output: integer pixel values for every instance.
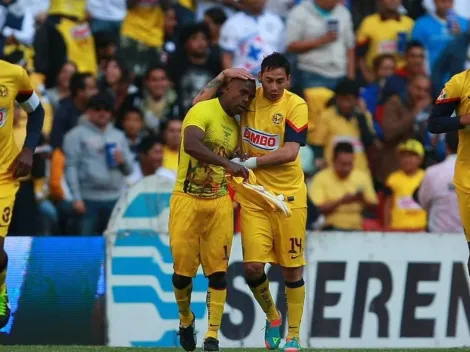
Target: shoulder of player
(11, 70)
(293, 100)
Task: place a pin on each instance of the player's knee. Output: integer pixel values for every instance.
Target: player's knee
(292, 274)
(253, 271)
(180, 282)
(218, 281)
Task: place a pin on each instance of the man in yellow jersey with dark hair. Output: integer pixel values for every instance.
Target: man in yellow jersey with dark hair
(456, 97)
(201, 212)
(14, 85)
(273, 129)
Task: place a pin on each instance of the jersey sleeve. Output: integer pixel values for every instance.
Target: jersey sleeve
(25, 88)
(452, 91)
(297, 125)
(196, 117)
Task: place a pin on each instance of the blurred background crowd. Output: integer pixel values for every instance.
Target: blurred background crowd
(116, 78)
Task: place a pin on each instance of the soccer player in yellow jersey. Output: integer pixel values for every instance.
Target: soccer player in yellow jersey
(14, 163)
(456, 97)
(272, 131)
(201, 212)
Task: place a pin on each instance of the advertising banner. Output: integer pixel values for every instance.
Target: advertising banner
(56, 291)
(364, 290)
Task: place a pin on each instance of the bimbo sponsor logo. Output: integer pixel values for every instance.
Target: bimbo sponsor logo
(261, 140)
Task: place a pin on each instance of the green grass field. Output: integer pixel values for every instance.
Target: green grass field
(113, 349)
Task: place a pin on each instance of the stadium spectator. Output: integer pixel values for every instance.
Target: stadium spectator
(106, 16)
(149, 161)
(142, 34)
(437, 192)
(460, 7)
(401, 212)
(433, 30)
(415, 61)
(194, 67)
(82, 88)
(172, 139)
(321, 33)
(132, 124)
(97, 160)
(404, 116)
(170, 43)
(250, 35)
(62, 89)
(65, 36)
(214, 18)
(157, 99)
(344, 121)
(342, 191)
(385, 32)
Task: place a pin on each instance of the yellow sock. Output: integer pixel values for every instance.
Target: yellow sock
(183, 299)
(215, 309)
(263, 296)
(295, 296)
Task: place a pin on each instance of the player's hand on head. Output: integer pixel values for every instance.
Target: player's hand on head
(21, 166)
(240, 73)
(237, 170)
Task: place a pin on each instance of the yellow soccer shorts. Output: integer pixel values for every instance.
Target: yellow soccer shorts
(270, 237)
(464, 207)
(6, 212)
(201, 232)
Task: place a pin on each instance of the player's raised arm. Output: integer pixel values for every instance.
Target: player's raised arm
(210, 90)
(30, 103)
(441, 120)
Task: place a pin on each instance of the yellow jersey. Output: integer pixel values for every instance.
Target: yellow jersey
(14, 82)
(194, 177)
(327, 187)
(144, 24)
(406, 213)
(378, 36)
(170, 159)
(267, 127)
(457, 90)
(72, 8)
(334, 128)
(317, 99)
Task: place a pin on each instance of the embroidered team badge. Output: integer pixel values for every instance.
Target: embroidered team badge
(443, 95)
(3, 91)
(277, 118)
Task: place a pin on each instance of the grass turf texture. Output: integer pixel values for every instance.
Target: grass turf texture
(115, 349)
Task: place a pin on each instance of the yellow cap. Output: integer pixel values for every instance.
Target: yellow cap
(413, 146)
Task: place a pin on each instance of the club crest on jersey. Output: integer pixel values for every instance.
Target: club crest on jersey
(260, 140)
(277, 118)
(3, 116)
(443, 95)
(3, 91)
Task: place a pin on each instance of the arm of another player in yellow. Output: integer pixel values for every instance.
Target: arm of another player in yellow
(295, 136)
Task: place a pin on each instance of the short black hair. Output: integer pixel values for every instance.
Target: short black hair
(165, 123)
(342, 147)
(414, 44)
(77, 82)
(348, 86)
(133, 109)
(274, 61)
(216, 14)
(189, 30)
(102, 100)
(452, 141)
(148, 142)
(156, 67)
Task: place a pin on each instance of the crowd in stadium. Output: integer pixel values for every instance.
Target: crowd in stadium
(369, 71)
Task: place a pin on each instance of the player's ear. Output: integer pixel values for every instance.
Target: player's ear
(260, 77)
